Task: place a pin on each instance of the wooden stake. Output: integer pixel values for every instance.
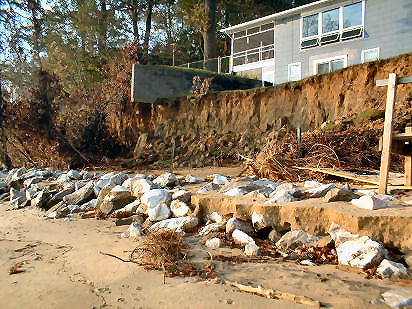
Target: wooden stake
(387, 133)
(408, 163)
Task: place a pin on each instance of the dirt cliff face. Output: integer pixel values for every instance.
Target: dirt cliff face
(307, 103)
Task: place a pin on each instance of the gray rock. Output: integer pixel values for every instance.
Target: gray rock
(118, 179)
(339, 194)
(294, 239)
(100, 199)
(242, 238)
(56, 207)
(235, 224)
(86, 175)
(187, 224)
(320, 191)
(182, 195)
(251, 249)
(193, 179)
(369, 202)
(131, 207)
(74, 209)
(209, 187)
(80, 184)
(30, 194)
(74, 175)
(63, 179)
(398, 298)
(362, 252)
(392, 270)
(127, 221)
(260, 222)
(117, 198)
(158, 213)
(166, 180)
(340, 235)
(58, 197)
(89, 205)
(28, 182)
(134, 230)
(213, 243)
(312, 184)
(40, 199)
(212, 228)
(139, 186)
(274, 236)
(236, 192)
(266, 183)
(179, 208)
(215, 217)
(17, 194)
(80, 196)
(220, 180)
(155, 197)
(281, 196)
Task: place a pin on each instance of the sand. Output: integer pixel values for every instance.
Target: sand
(64, 269)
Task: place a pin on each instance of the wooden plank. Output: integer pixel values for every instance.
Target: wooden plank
(402, 80)
(407, 136)
(408, 163)
(387, 133)
(409, 188)
(338, 174)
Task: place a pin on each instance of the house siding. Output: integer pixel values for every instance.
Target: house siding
(388, 26)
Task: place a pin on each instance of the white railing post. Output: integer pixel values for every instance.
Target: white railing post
(219, 64)
(188, 65)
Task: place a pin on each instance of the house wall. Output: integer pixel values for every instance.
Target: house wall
(388, 26)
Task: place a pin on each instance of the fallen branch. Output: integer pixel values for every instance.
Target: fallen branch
(276, 294)
(117, 257)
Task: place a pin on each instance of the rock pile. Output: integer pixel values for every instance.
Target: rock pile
(149, 203)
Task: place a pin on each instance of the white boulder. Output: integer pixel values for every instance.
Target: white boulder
(220, 180)
(155, 197)
(235, 224)
(179, 208)
(391, 269)
(213, 243)
(293, 239)
(251, 249)
(166, 180)
(260, 222)
(158, 213)
(141, 185)
(242, 238)
(187, 224)
(369, 202)
(398, 298)
(193, 179)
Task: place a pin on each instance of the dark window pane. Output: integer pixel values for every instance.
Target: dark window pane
(240, 34)
(330, 21)
(323, 68)
(267, 26)
(310, 26)
(352, 15)
(338, 64)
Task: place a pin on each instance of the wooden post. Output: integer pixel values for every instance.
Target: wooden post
(408, 163)
(299, 137)
(387, 133)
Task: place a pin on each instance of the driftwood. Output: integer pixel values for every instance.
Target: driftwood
(276, 294)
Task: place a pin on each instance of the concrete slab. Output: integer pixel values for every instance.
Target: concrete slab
(391, 226)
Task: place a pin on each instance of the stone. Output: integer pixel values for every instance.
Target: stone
(28, 182)
(288, 187)
(242, 238)
(127, 221)
(132, 206)
(220, 180)
(55, 208)
(86, 175)
(193, 179)
(74, 175)
(320, 191)
(127, 183)
(74, 209)
(89, 205)
(274, 236)
(235, 224)
(369, 202)
(326, 241)
(30, 194)
(182, 195)
(265, 183)
(179, 208)
(80, 196)
(215, 217)
(408, 260)
(307, 263)
(294, 239)
(261, 193)
(138, 186)
(392, 270)
(118, 179)
(166, 180)
(135, 230)
(54, 215)
(340, 235)
(107, 176)
(40, 199)
(398, 298)
(63, 179)
(236, 192)
(155, 197)
(117, 198)
(251, 249)
(362, 253)
(259, 222)
(100, 200)
(344, 194)
(15, 194)
(103, 183)
(213, 243)
(209, 187)
(312, 184)
(212, 228)
(158, 213)
(281, 196)
(187, 224)
(80, 184)
(58, 197)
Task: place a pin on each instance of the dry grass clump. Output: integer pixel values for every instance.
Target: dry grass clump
(160, 249)
(351, 148)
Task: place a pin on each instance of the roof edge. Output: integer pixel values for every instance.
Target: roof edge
(272, 17)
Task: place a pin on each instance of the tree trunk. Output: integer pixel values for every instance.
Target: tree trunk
(134, 15)
(102, 31)
(148, 28)
(209, 34)
(36, 18)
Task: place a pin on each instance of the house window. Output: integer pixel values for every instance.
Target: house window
(294, 71)
(352, 15)
(370, 55)
(310, 26)
(338, 24)
(330, 21)
(330, 64)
